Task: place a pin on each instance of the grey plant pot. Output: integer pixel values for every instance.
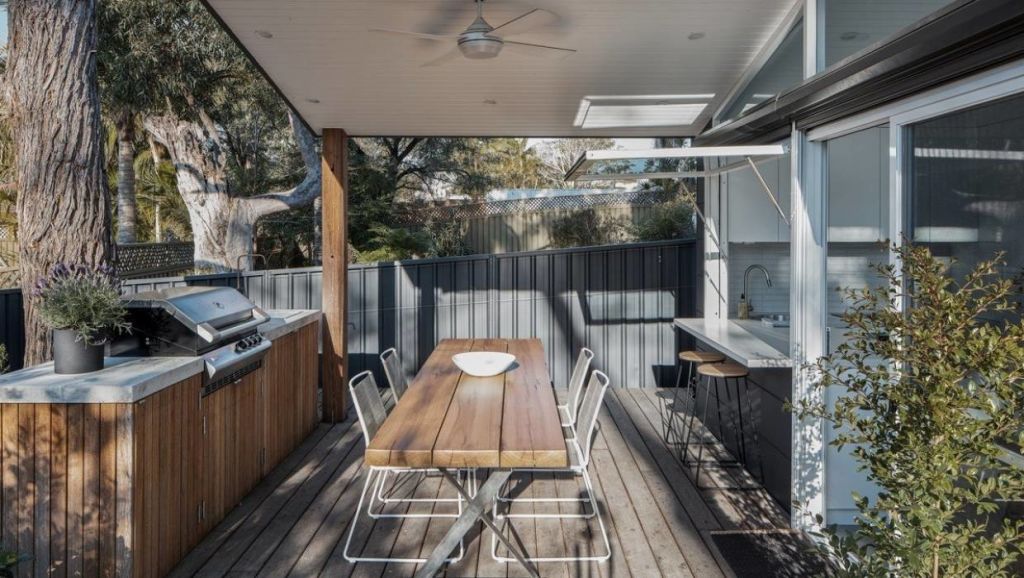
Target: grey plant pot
(72, 356)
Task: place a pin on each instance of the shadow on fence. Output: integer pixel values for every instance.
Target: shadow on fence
(618, 300)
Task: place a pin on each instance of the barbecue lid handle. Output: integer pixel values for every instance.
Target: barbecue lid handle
(213, 335)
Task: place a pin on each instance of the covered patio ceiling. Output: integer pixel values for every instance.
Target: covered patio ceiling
(642, 67)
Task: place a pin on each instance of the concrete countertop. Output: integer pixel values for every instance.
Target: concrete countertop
(748, 342)
(126, 379)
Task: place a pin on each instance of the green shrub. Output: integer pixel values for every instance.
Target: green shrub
(447, 239)
(584, 228)
(85, 300)
(926, 398)
(672, 220)
(395, 244)
(3, 358)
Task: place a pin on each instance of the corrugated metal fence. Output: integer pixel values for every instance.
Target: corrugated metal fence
(618, 300)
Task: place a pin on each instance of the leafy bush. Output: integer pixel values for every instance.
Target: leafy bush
(82, 299)
(927, 397)
(447, 239)
(3, 358)
(584, 228)
(672, 220)
(395, 244)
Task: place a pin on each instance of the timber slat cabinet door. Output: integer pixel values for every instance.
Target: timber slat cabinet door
(291, 377)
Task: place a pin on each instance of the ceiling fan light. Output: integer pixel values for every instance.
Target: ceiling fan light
(480, 48)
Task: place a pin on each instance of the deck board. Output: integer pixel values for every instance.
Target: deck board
(296, 521)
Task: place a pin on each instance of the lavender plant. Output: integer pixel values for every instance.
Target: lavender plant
(82, 299)
(930, 396)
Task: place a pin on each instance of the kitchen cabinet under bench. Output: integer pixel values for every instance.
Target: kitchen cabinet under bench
(121, 472)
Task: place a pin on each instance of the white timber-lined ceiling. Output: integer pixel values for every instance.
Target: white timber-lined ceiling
(632, 57)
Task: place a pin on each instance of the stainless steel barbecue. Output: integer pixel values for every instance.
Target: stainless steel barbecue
(217, 323)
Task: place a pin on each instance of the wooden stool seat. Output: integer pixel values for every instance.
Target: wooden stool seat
(722, 370)
(701, 356)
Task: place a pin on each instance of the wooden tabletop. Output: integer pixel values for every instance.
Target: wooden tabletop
(449, 419)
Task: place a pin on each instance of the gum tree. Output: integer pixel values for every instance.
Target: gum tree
(63, 206)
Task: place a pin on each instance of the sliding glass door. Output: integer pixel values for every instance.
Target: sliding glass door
(964, 184)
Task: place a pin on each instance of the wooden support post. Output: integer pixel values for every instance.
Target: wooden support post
(334, 362)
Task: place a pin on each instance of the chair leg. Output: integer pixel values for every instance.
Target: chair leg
(506, 500)
(590, 497)
(670, 429)
(703, 419)
(355, 520)
(685, 450)
(377, 495)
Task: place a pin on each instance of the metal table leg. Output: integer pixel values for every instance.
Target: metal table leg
(477, 508)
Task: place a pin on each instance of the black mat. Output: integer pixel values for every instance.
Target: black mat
(768, 554)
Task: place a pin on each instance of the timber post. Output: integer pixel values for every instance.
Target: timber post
(334, 227)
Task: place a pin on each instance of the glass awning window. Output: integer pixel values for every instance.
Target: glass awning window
(667, 163)
(676, 163)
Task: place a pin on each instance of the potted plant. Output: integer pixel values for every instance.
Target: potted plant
(83, 307)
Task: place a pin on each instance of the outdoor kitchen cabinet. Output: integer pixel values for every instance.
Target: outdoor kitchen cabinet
(123, 472)
(752, 216)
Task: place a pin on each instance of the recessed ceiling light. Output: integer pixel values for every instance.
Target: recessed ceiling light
(313, 100)
(264, 34)
(696, 36)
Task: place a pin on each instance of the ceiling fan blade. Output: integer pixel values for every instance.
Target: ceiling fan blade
(525, 22)
(421, 35)
(538, 50)
(445, 58)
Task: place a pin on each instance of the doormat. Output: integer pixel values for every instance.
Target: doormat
(768, 554)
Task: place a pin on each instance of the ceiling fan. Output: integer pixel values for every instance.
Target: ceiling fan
(481, 40)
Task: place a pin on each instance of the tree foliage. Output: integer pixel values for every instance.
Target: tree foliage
(928, 396)
(672, 220)
(584, 228)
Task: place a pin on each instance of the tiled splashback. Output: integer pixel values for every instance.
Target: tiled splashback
(775, 258)
(849, 266)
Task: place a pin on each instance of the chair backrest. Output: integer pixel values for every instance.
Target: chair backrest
(394, 372)
(369, 406)
(591, 406)
(576, 381)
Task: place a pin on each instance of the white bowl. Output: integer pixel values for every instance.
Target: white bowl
(484, 363)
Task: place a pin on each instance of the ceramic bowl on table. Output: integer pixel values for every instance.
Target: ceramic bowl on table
(484, 363)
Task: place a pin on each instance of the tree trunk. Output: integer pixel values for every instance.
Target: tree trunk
(63, 204)
(126, 215)
(223, 225)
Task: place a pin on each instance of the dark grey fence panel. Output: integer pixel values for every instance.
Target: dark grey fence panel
(12, 326)
(618, 300)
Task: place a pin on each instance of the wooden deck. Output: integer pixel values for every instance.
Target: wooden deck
(295, 522)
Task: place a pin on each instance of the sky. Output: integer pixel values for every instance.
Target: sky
(3, 25)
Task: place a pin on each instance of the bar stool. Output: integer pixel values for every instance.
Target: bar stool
(692, 358)
(721, 374)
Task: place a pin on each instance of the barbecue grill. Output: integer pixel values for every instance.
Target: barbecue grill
(218, 324)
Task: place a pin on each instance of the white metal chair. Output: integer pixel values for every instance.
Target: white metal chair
(579, 448)
(576, 381)
(394, 372)
(569, 411)
(371, 413)
(399, 385)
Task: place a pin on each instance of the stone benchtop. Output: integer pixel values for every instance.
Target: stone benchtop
(126, 379)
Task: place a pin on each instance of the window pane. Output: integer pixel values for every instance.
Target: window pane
(784, 69)
(967, 184)
(851, 25)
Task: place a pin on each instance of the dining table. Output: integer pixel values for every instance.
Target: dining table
(449, 420)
